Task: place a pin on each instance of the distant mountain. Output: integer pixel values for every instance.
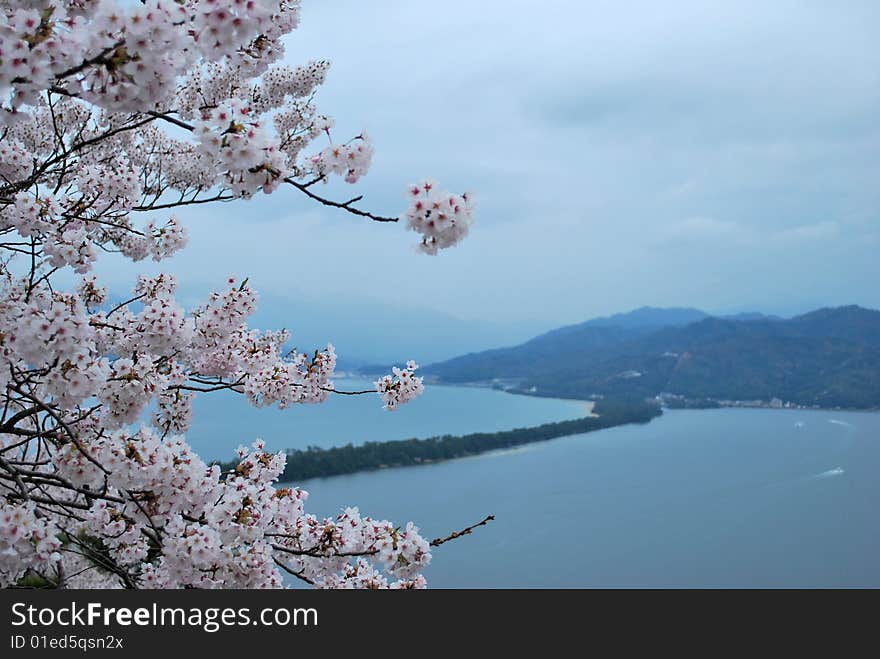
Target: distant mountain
(751, 315)
(829, 358)
(647, 317)
(578, 343)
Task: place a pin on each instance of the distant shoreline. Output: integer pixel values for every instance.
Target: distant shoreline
(689, 404)
(723, 405)
(683, 403)
(315, 463)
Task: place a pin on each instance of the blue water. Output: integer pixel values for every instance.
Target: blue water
(733, 498)
(224, 420)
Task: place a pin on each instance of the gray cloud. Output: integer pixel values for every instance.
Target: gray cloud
(724, 155)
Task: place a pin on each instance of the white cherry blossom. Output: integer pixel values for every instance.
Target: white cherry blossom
(115, 117)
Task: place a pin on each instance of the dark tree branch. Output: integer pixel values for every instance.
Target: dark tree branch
(436, 542)
(346, 205)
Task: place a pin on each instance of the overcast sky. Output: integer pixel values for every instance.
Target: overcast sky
(723, 155)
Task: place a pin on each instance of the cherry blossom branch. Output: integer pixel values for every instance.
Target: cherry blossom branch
(138, 114)
(298, 574)
(185, 202)
(48, 410)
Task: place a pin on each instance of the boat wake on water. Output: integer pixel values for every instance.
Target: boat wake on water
(831, 473)
(801, 480)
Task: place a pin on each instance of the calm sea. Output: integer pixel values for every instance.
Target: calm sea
(696, 498)
(224, 420)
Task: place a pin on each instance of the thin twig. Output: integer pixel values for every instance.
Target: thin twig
(436, 542)
(346, 205)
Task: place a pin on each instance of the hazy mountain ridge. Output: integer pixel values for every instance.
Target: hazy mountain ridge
(576, 341)
(829, 357)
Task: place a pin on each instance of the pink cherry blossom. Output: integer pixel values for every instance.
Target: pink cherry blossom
(116, 117)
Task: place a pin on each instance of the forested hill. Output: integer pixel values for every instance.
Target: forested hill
(574, 342)
(827, 358)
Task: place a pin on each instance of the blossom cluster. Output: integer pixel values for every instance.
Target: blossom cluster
(442, 218)
(349, 160)
(400, 387)
(227, 530)
(134, 55)
(149, 479)
(26, 540)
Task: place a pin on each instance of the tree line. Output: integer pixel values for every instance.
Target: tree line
(315, 462)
